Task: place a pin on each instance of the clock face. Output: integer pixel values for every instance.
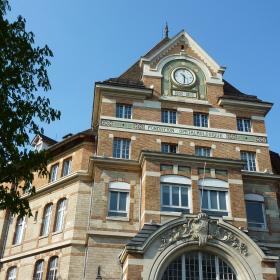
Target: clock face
(183, 76)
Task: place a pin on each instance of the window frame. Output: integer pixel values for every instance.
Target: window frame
(58, 216)
(198, 266)
(40, 272)
(242, 126)
(44, 232)
(203, 148)
(18, 236)
(176, 180)
(170, 116)
(211, 184)
(55, 268)
(250, 166)
(198, 119)
(169, 145)
(53, 179)
(124, 111)
(69, 170)
(256, 198)
(121, 148)
(11, 277)
(119, 187)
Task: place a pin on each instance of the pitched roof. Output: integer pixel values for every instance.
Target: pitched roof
(132, 77)
(232, 92)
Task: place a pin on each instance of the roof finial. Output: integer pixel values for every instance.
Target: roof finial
(166, 30)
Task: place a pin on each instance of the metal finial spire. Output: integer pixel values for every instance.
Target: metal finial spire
(166, 30)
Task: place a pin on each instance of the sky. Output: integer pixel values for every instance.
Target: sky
(95, 40)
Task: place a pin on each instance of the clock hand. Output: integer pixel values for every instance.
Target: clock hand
(184, 78)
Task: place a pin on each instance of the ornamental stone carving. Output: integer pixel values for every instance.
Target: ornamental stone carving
(202, 229)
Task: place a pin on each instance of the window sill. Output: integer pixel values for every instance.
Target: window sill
(43, 236)
(16, 245)
(123, 219)
(166, 213)
(57, 232)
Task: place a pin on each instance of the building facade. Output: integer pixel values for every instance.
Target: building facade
(174, 180)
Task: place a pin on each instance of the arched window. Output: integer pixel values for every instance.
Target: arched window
(198, 266)
(12, 273)
(255, 211)
(46, 219)
(214, 196)
(19, 231)
(38, 270)
(52, 268)
(175, 193)
(59, 217)
(118, 199)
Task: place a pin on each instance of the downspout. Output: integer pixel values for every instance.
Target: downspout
(88, 228)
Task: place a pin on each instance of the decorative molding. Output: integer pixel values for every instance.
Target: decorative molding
(162, 129)
(202, 230)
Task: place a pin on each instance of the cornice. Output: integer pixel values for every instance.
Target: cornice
(189, 159)
(116, 163)
(261, 106)
(260, 176)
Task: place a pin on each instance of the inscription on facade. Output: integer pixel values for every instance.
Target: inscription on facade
(184, 93)
(127, 125)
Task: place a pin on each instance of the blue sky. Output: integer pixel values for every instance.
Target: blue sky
(95, 40)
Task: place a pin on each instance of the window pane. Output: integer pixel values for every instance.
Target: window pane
(165, 195)
(204, 195)
(66, 167)
(122, 201)
(213, 200)
(175, 196)
(184, 196)
(222, 200)
(38, 272)
(113, 200)
(255, 212)
(60, 215)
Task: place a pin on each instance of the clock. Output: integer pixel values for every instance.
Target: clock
(183, 76)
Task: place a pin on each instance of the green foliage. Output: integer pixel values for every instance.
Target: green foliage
(23, 109)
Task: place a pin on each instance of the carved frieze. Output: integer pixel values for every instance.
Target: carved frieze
(202, 229)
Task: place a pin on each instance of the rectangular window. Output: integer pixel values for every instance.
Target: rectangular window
(255, 214)
(66, 169)
(121, 148)
(250, 161)
(53, 172)
(174, 198)
(168, 148)
(244, 124)
(168, 116)
(123, 111)
(200, 120)
(118, 204)
(202, 151)
(214, 201)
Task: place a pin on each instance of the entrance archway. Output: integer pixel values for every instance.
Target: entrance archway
(199, 265)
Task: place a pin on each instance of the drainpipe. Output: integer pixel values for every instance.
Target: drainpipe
(88, 228)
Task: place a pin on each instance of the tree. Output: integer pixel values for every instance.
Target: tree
(23, 110)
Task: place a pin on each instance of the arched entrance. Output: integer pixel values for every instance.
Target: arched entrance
(199, 265)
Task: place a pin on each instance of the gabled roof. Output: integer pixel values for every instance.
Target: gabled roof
(49, 141)
(132, 77)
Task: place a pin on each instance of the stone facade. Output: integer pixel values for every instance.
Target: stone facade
(115, 222)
